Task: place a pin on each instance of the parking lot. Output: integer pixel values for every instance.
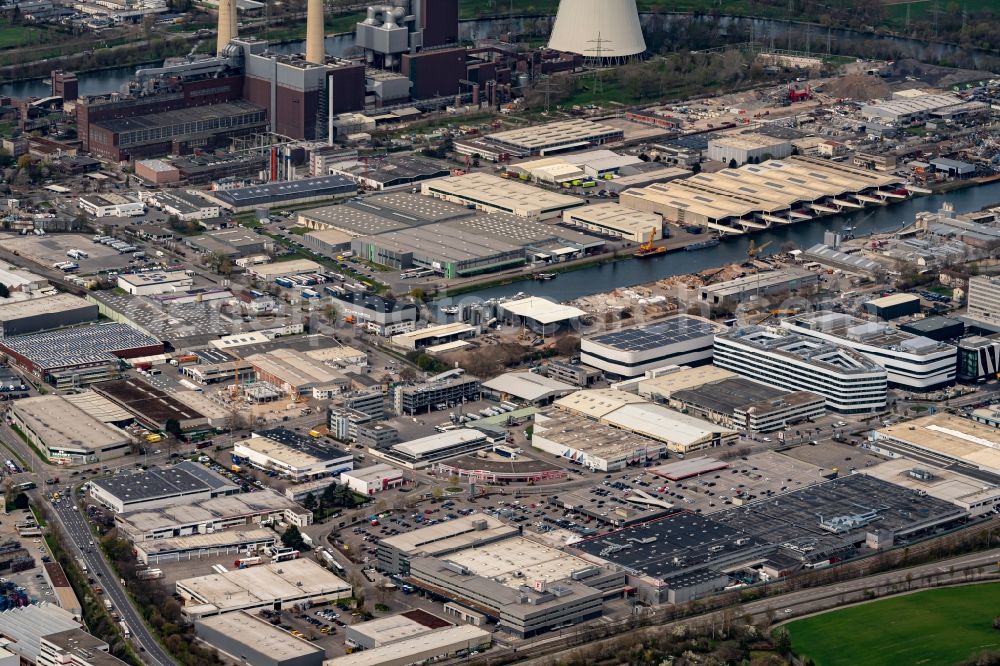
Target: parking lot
(51, 248)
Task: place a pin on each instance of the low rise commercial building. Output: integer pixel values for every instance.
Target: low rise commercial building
(75, 647)
(849, 381)
(296, 373)
(912, 362)
(154, 282)
(392, 629)
(110, 205)
(893, 306)
(66, 433)
(611, 219)
(152, 407)
(395, 552)
(425, 451)
(185, 206)
(284, 193)
(549, 138)
(541, 315)
(232, 512)
(527, 387)
(460, 640)
(381, 315)
(733, 292)
(159, 487)
(292, 455)
(630, 352)
(245, 638)
(285, 583)
(371, 480)
(966, 442)
(742, 404)
(269, 272)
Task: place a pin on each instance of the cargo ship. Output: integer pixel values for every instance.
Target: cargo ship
(701, 245)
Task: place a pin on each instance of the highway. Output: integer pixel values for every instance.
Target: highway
(78, 537)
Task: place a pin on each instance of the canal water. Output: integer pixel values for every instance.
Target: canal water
(630, 272)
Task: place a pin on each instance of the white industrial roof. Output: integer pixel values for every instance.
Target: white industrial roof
(425, 445)
(595, 403)
(528, 386)
(663, 424)
(542, 310)
(426, 645)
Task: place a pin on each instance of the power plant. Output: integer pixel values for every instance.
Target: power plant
(603, 30)
(406, 56)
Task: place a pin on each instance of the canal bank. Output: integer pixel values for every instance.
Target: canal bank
(607, 276)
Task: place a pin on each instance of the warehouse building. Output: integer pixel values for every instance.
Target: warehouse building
(395, 171)
(152, 407)
(893, 306)
(850, 382)
(449, 389)
(457, 641)
(630, 352)
(80, 355)
(281, 584)
(907, 110)
(291, 455)
(395, 552)
(382, 213)
(42, 314)
(496, 195)
(157, 487)
(385, 630)
(67, 433)
(756, 197)
(296, 373)
(611, 219)
(425, 451)
(912, 362)
(328, 242)
(666, 381)
(747, 148)
(527, 388)
(453, 252)
(247, 639)
(966, 492)
(852, 264)
(233, 242)
(230, 543)
(964, 442)
(284, 193)
(232, 512)
(548, 139)
(597, 447)
(154, 282)
(733, 292)
(431, 336)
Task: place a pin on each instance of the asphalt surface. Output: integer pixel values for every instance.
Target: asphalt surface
(78, 537)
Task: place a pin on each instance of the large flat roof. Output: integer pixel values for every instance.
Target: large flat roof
(151, 484)
(528, 386)
(772, 187)
(554, 133)
(451, 535)
(79, 345)
(432, 443)
(683, 378)
(671, 331)
(965, 440)
(595, 403)
(542, 310)
(664, 424)
(295, 368)
(33, 307)
(218, 508)
(147, 401)
(286, 190)
(262, 584)
(260, 636)
(797, 347)
(872, 333)
(580, 433)
(502, 560)
(496, 192)
(426, 644)
(59, 422)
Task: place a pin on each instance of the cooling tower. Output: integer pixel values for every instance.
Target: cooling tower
(315, 49)
(227, 24)
(598, 29)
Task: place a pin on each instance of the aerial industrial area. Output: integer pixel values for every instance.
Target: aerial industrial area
(385, 358)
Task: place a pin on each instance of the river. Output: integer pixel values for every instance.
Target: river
(630, 272)
(733, 28)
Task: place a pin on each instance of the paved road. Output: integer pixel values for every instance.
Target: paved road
(75, 528)
(78, 538)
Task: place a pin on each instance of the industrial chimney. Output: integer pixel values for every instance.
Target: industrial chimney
(227, 24)
(315, 49)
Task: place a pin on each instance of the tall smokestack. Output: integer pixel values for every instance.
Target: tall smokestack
(227, 24)
(315, 49)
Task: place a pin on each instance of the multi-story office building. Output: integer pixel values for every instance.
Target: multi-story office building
(911, 361)
(984, 302)
(850, 382)
(446, 391)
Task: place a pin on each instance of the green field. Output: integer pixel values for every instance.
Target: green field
(934, 627)
(14, 36)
